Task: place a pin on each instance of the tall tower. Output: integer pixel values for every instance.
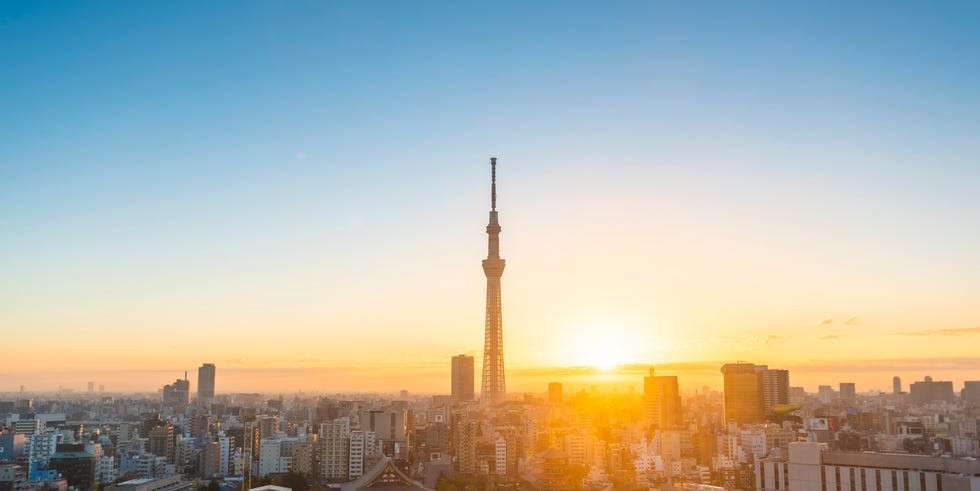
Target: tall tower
(494, 389)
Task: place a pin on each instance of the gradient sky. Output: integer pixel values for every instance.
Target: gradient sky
(300, 185)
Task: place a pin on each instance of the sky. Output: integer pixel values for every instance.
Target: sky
(301, 188)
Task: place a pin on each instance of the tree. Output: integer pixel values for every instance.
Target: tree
(444, 484)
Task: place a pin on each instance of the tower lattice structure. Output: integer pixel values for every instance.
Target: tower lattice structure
(494, 388)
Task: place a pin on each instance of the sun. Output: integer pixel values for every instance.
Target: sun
(601, 346)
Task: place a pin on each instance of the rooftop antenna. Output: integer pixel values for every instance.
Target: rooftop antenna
(493, 183)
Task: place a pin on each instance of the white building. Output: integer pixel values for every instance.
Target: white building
(40, 448)
(269, 457)
(811, 467)
(500, 455)
(362, 444)
(334, 443)
(225, 448)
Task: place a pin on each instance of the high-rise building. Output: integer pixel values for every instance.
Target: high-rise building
(554, 393)
(752, 391)
(334, 443)
(896, 385)
(462, 378)
(177, 393)
(74, 464)
(161, 441)
(205, 383)
(775, 389)
(848, 392)
(494, 388)
(743, 393)
(210, 460)
(971, 391)
(661, 401)
(463, 428)
(362, 444)
(929, 390)
(40, 448)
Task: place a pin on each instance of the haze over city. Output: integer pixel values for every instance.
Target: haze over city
(298, 193)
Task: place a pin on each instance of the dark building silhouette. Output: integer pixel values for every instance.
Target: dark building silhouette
(555, 393)
(752, 391)
(177, 393)
(74, 464)
(205, 382)
(928, 390)
(463, 373)
(971, 391)
(661, 401)
(743, 393)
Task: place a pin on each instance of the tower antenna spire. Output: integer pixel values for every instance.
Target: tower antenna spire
(493, 183)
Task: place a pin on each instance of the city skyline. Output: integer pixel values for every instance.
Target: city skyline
(299, 190)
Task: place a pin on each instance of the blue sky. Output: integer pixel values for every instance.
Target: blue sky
(181, 161)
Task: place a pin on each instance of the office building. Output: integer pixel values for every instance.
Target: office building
(752, 391)
(177, 393)
(205, 383)
(743, 393)
(848, 392)
(810, 466)
(928, 391)
(463, 373)
(896, 385)
(555, 393)
(661, 401)
(775, 388)
(971, 392)
(75, 465)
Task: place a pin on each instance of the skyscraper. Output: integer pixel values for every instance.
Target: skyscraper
(494, 388)
(661, 401)
(554, 393)
(775, 389)
(743, 393)
(752, 391)
(896, 385)
(462, 379)
(205, 383)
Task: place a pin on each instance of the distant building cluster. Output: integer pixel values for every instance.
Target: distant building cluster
(759, 434)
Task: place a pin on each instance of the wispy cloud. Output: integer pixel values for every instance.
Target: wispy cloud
(829, 337)
(893, 364)
(851, 321)
(825, 322)
(962, 331)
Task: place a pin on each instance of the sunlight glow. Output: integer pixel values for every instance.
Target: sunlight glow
(605, 346)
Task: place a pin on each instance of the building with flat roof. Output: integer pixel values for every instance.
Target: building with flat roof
(173, 483)
(928, 390)
(463, 373)
(810, 466)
